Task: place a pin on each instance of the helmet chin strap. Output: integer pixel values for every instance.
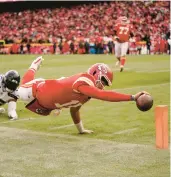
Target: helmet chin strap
(99, 83)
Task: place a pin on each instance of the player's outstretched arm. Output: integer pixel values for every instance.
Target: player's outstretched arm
(111, 96)
(75, 114)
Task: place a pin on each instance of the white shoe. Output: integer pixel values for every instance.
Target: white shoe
(2, 110)
(117, 63)
(13, 118)
(13, 115)
(36, 63)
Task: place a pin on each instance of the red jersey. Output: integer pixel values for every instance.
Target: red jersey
(62, 93)
(123, 31)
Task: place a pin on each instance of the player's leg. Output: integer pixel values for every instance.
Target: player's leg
(29, 75)
(117, 52)
(124, 49)
(25, 90)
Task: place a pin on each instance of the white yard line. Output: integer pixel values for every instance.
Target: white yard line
(20, 120)
(157, 71)
(142, 86)
(19, 132)
(126, 131)
(61, 127)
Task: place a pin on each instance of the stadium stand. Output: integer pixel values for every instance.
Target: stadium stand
(84, 28)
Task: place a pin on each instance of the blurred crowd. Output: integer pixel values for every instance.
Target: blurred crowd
(82, 28)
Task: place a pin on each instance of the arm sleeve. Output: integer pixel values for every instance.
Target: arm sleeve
(75, 114)
(110, 96)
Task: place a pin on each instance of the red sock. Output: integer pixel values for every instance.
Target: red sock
(28, 76)
(123, 61)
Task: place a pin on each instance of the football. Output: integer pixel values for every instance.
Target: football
(144, 102)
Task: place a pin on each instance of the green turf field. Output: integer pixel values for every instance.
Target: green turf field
(123, 143)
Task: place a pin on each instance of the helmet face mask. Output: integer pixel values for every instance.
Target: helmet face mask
(124, 20)
(102, 74)
(11, 80)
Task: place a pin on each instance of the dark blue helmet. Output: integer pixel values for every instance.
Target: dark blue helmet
(11, 80)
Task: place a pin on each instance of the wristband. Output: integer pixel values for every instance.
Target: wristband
(80, 127)
(132, 98)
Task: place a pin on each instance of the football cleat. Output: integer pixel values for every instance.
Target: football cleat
(13, 118)
(121, 68)
(117, 63)
(37, 63)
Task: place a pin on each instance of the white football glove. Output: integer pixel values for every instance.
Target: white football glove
(37, 63)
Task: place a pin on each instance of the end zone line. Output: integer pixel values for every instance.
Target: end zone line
(142, 86)
(147, 71)
(126, 131)
(19, 131)
(20, 120)
(61, 127)
(27, 119)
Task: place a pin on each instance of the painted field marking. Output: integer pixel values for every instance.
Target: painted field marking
(126, 131)
(20, 120)
(61, 127)
(145, 86)
(147, 71)
(19, 132)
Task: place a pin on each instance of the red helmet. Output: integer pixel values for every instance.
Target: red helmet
(123, 20)
(102, 74)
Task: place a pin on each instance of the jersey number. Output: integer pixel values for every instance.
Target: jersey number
(73, 103)
(123, 30)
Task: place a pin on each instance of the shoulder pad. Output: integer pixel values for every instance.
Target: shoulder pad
(84, 79)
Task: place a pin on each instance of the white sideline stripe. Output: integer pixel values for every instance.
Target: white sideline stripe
(20, 120)
(147, 71)
(19, 131)
(143, 86)
(126, 131)
(28, 119)
(61, 127)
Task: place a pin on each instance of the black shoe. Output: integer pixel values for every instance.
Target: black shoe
(121, 69)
